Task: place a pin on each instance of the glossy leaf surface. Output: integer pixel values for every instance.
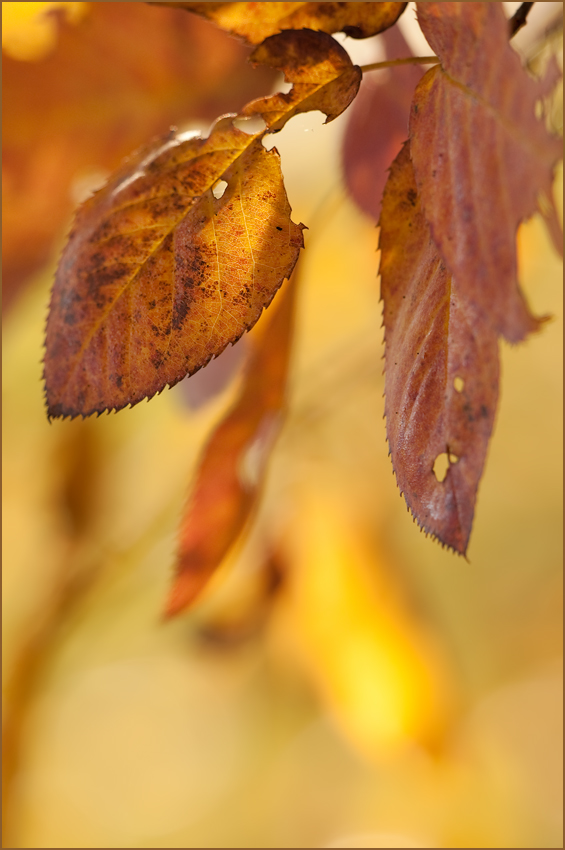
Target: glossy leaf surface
(480, 155)
(257, 21)
(160, 273)
(441, 368)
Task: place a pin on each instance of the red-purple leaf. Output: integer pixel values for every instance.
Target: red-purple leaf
(441, 368)
(480, 155)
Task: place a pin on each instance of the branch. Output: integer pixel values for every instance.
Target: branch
(408, 60)
(518, 19)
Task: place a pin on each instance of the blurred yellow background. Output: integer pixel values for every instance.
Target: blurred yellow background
(386, 693)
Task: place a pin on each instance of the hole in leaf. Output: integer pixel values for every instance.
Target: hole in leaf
(251, 126)
(441, 465)
(219, 188)
(458, 383)
(281, 86)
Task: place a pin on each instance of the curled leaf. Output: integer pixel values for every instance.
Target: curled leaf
(254, 22)
(162, 270)
(320, 70)
(480, 155)
(233, 464)
(441, 368)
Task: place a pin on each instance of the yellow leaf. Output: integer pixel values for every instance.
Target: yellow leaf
(379, 669)
(255, 22)
(29, 31)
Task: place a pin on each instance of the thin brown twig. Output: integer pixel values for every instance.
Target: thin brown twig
(516, 22)
(408, 60)
(518, 19)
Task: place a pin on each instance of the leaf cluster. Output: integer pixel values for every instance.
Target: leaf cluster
(188, 242)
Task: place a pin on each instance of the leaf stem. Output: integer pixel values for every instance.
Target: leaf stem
(518, 19)
(408, 60)
(516, 22)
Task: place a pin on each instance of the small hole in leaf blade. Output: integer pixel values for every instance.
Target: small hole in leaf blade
(251, 126)
(459, 384)
(441, 465)
(219, 188)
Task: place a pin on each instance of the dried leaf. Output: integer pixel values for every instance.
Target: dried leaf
(320, 70)
(231, 471)
(378, 125)
(159, 274)
(69, 118)
(255, 22)
(480, 155)
(441, 368)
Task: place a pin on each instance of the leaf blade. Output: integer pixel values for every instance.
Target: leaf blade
(357, 20)
(433, 336)
(320, 70)
(159, 275)
(480, 156)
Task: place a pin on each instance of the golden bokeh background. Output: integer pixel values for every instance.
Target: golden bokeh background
(381, 692)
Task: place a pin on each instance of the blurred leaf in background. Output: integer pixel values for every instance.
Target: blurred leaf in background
(82, 89)
(343, 682)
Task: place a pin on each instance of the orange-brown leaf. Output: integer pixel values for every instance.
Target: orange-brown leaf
(441, 368)
(233, 464)
(480, 155)
(256, 21)
(320, 70)
(159, 274)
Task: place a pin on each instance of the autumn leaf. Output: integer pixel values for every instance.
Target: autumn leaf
(70, 117)
(320, 70)
(231, 471)
(162, 270)
(441, 368)
(378, 125)
(255, 22)
(480, 155)
(382, 675)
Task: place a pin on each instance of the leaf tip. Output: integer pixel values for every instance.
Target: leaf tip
(186, 587)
